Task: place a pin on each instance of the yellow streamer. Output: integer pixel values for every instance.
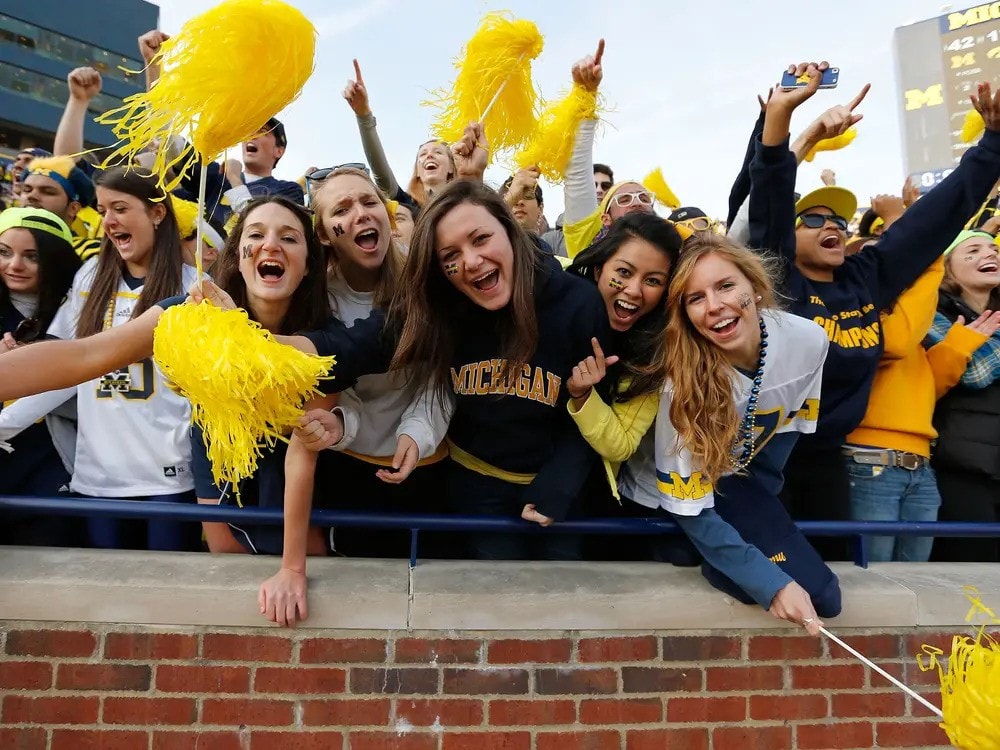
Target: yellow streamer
(833, 144)
(657, 185)
(551, 144)
(973, 126)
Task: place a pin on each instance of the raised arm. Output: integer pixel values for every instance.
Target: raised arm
(149, 46)
(356, 95)
(84, 84)
(579, 193)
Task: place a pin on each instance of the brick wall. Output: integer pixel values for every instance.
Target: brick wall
(116, 688)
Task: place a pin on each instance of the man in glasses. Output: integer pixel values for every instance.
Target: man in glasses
(692, 218)
(604, 179)
(255, 175)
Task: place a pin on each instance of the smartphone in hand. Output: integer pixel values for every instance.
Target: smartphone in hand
(829, 81)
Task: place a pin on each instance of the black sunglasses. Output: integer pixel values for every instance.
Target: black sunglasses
(815, 221)
(321, 174)
(604, 185)
(27, 330)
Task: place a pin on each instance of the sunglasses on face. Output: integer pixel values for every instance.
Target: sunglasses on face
(605, 186)
(624, 200)
(816, 221)
(698, 224)
(321, 174)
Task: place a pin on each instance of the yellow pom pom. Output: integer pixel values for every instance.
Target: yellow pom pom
(186, 213)
(654, 183)
(496, 59)
(973, 127)
(551, 143)
(226, 72)
(833, 144)
(245, 388)
(970, 685)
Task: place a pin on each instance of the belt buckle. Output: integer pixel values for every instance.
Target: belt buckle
(908, 461)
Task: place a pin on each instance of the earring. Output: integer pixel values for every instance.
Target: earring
(759, 298)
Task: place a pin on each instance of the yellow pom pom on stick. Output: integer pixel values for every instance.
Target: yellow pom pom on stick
(226, 72)
(833, 144)
(657, 185)
(970, 683)
(494, 84)
(973, 126)
(245, 388)
(551, 144)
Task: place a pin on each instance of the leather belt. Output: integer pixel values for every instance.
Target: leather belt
(885, 457)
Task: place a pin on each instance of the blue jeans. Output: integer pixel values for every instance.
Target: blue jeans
(891, 493)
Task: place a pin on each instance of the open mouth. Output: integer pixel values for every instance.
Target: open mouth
(624, 310)
(121, 239)
(487, 281)
(728, 325)
(250, 147)
(270, 270)
(830, 242)
(430, 166)
(991, 267)
(367, 240)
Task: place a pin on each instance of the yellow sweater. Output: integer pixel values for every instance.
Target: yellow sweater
(615, 431)
(910, 379)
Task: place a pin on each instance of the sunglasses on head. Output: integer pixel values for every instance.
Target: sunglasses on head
(815, 221)
(321, 174)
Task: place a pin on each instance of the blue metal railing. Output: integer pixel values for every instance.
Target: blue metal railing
(416, 522)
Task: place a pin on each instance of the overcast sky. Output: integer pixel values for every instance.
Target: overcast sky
(680, 78)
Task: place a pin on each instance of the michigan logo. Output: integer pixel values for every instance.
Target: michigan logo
(690, 488)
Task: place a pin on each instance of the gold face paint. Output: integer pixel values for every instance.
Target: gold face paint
(451, 269)
(615, 284)
(745, 300)
(246, 251)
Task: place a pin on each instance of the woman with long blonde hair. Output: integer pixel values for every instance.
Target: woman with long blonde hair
(742, 382)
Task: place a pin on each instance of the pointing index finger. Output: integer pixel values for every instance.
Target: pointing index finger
(598, 352)
(600, 52)
(860, 97)
(357, 72)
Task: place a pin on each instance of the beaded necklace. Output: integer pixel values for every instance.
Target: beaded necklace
(748, 427)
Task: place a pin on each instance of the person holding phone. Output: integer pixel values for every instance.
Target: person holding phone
(846, 294)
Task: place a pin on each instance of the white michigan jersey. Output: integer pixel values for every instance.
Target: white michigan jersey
(133, 434)
(788, 402)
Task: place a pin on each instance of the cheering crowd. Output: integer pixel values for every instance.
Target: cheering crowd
(629, 361)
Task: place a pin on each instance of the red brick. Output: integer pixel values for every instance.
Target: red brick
(661, 679)
(250, 711)
(342, 650)
(913, 733)
(296, 741)
(485, 682)
(706, 710)
(912, 675)
(531, 713)
(103, 677)
(700, 648)
(406, 680)
(25, 675)
(529, 652)
(867, 705)
(789, 707)
(197, 741)
(443, 712)
(249, 648)
(784, 648)
(387, 741)
(482, 741)
(586, 680)
(346, 712)
(621, 711)
(666, 739)
(744, 678)
(873, 646)
(150, 646)
(753, 738)
(843, 676)
(617, 650)
(74, 739)
(596, 740)
(149, 711)
(51, 643)
(18, 709)
(23, 738)
(171, 678)
(436, 651)
(914, 644)
(299, 681)
(834, 736)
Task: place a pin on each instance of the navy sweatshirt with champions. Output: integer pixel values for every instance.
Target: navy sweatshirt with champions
(869, 282)
(522, 428)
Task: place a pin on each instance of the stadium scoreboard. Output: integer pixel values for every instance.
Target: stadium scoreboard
(938, 64)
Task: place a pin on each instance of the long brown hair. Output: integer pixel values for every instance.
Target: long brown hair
(163, 279)
(431, 314)
(416, 187)
(309, 308)
(392, 265)
(703, 410)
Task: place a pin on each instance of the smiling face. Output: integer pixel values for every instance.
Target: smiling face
(261, 153)
(129, 224)
(637, 198)
(19, 261)
(721, 304)
(819, 251)
(632, 282)
(974, 265)
(434, 163)
(354, 222)
(475, 255)
(273, 254)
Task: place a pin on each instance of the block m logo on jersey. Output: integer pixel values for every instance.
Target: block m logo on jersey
(683, 488)
(118, 381)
